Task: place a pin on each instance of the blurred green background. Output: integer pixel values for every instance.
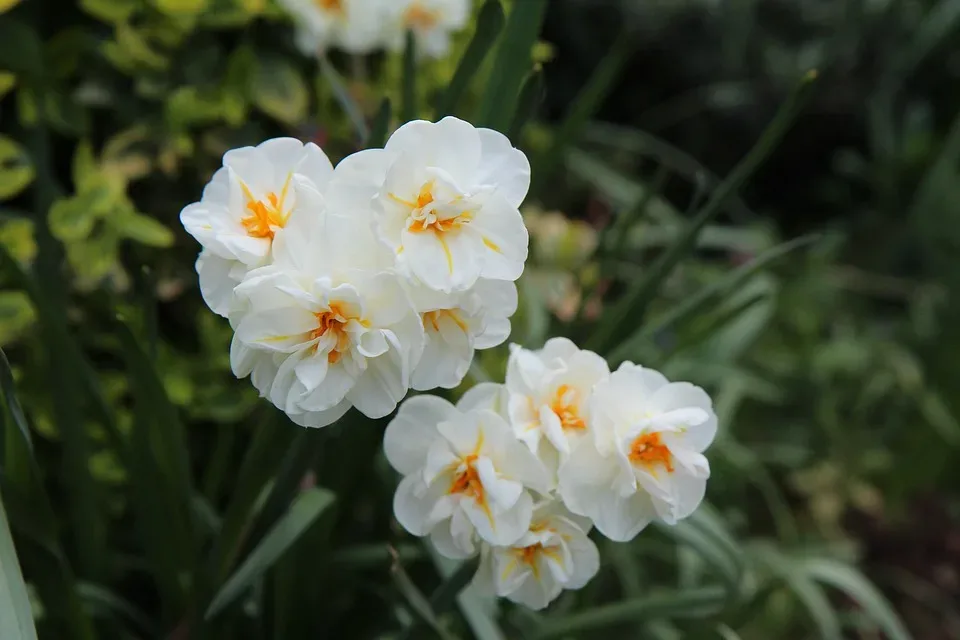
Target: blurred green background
(820, 308)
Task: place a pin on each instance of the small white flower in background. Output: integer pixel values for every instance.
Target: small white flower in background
(555, 554)
(356, 26)
(247, 203)
(645, 460)
(431, 21)
(456, 324)
(445, 199)
(550, 393)
(326, 326)
(465, 475)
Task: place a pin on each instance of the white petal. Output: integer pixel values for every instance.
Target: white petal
(277, 329)
(381, 387)
(504, 527)
(413, 430)
(586, 561)
(336, 384)
(445, 261)
(503, 166)
(449, 545)
(446, 357)
(502, 493)
(485, 395)
(682, 395)
(536, 593)
(316, 166)
(318, 419)
(504, 239)
(412, 504)
(216, 282)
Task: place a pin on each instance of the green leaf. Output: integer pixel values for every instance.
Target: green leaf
(380, 126)
(705, 534)
(181, 7)
(706, 297)
(346, 101)
(408, 106)
(531, 95)
(20, 49)
(306, 508)
(586, 103)
(489, 24)
(6, 5)
(418, 603)
(112, 11)
(630, 309)
(104, 601)
(856, 586)
(277, 89)
(16, 616)
(512, 64)
(690, 603)
(16, 171)
(143, 229)
(808, 592)
(17, 315)
(72, 219)
(9, 390)
(7, 82)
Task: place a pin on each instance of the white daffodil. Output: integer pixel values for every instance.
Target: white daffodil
(550, 393)
(325, 326)
(431, 21)
(465, 476)
(555, 554)
(645, 460)
(445, 199)
(356, 26)
(243, 208)
(456, 324)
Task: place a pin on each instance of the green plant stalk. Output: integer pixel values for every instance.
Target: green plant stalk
(691, 603)
(512, 64)
(586, 103)
(630, 310)
(489, 25)
(408, 108)
(531, 94)
(380, 126)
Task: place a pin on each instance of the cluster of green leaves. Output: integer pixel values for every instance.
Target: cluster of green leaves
(150, 495)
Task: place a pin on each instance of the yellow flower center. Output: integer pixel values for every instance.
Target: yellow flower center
(649, 451)
(421, 18)
(432, 319)
(565, 406)
(467, 481)
(334, 322)
(330, 6)
(265, 216)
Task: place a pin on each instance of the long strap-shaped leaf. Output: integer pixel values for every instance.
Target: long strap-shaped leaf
(16, 617)
(489, 24)
(304, 511)
(630, 309)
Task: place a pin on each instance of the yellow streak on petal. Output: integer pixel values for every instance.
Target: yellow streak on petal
(446, 250)
(399, 200)
(491, 244)
(510, 568)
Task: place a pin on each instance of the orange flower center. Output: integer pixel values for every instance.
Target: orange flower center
(430, 221)
(332, 6)
(265, 216)
(565, 406)
(333, 321)
(419, 17)
(468, 481)
(649, 451)
(432, 319)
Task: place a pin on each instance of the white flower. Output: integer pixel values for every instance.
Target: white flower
(326, 326)
(465, 475)
(432, 23)
(245, 206)
(646, 459)
(458, 323)
(356, 26)
(549, 392)
(555, 554)
(445, 199)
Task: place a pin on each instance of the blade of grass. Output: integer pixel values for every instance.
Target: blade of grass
(586, 103)
(13, 405)
(347, 103)
(511, 64)
(380, 126)
(707, 296)
(631, 308)
(418, 603)
(531, 95)
(408, 107)
(107, 601)
(691, 603)
(16, 615)
(478, 612)
(304, 511)
(489, 24)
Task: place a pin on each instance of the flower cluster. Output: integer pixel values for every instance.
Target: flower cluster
(520, 472)
(362, 26)
(348, 286)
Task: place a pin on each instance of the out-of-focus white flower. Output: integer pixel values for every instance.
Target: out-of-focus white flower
(645, 460)
(555, 554)
(550, 392)
(326, 326)
(456, 324)
(356, 26)
(247, 203)
(465, 475)
(431, 21)
(445, 199)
